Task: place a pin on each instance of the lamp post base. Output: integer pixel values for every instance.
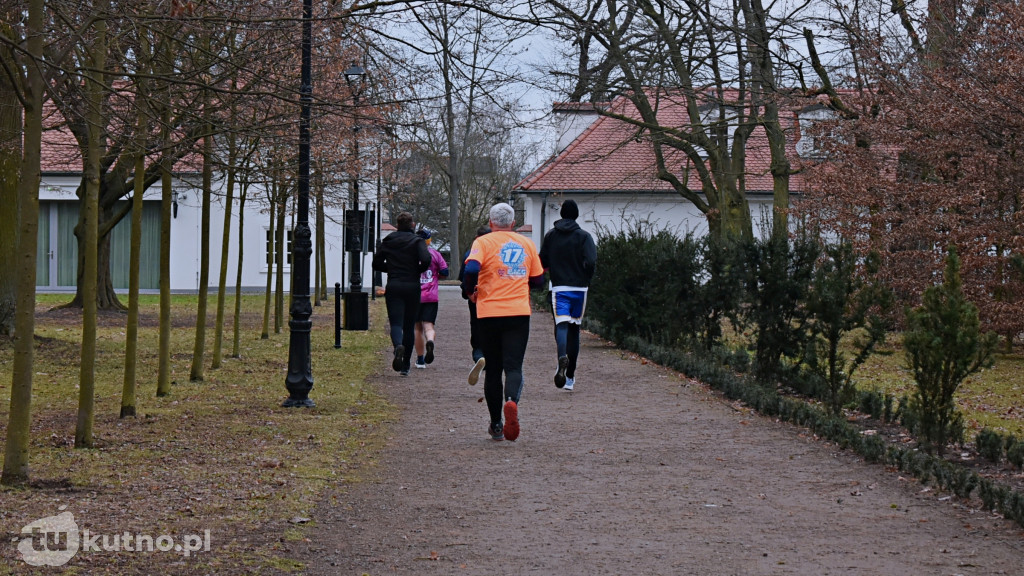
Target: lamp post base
(298, 403)
(357, 311)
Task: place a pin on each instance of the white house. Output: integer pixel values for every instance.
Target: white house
(58, 248)
(610, 173)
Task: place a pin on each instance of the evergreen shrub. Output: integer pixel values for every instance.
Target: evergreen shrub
(989, 444)
(944, 345)
(1015, 451)
(776, 278)
(842, 303)
(646, 284)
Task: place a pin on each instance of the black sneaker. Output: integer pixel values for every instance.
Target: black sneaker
(497, 431)
(399, 362)
(563, 363)
(429, 356)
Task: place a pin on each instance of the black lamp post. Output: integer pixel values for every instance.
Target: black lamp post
(354, 76)
(300, 373)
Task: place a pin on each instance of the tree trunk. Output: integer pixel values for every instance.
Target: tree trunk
(763, 88)
(132, 331)
(199, 351)
(105, 295)
(218, 328)
(454, 170)
(19, 417)
(321, 247)
(270, 252)
(315, 295)
(279, 255)
(11, 132)
(236, 344)
(163, 383)
(730, 215)
(90, 214)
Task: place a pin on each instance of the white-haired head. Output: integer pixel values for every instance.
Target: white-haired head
(502, 216)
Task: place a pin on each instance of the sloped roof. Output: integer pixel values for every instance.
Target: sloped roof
(612, 156)
(60, 153)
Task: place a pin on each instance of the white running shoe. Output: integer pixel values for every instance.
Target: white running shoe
(474, 374)
(568, 384)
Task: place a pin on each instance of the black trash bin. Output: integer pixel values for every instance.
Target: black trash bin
(357, 311)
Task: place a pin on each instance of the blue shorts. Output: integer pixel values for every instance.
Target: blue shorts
(568, 304)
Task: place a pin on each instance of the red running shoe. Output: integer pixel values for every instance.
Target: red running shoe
(511, 429)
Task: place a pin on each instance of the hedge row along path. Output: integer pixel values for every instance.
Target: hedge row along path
(640, 470)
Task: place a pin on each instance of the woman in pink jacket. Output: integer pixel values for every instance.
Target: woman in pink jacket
(429, 280)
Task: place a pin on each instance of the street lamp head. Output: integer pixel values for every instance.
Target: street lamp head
(354, 74)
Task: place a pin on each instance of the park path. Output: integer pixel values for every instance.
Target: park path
(638, 471)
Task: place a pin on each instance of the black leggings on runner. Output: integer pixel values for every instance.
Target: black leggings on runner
(403, 303)
(504, 341)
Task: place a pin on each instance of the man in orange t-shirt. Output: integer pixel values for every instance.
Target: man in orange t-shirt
(500, 270)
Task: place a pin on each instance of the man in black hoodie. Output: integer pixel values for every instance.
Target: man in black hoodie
(403, 256)
(569, 254)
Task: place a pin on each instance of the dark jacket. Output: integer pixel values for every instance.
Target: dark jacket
(462, 274)
(569, 254)
(403, 256)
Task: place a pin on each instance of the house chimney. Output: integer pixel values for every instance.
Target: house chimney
(573, 119)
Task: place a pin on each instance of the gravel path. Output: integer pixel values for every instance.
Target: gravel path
(638, 471)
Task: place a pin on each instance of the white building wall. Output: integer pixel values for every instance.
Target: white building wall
(186, 238)
(607, 214)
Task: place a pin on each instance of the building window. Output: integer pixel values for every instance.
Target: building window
(811, 134)
(712, 118)
(268, 249)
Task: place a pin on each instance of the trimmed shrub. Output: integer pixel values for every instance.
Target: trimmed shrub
(720, 291)
(989, 444)
(841, 302)
(992, 495)
(871, 403)
(873, 448)
(646, 284)
(944, 345)
(776, 279)
(907, 414)
(888, 414)
(1015, 451)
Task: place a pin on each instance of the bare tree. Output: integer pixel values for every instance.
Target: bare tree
(702, 78)
(461, 58)
(11, 131)
(28, 74)
(95, 81)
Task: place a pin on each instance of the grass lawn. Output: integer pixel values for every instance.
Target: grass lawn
(218, 455)
(992, 398)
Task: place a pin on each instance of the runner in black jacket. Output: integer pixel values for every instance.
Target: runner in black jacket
(403, 256)
(569, 254)
(474, 330)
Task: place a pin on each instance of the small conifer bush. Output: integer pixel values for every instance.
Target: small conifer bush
(944, 345)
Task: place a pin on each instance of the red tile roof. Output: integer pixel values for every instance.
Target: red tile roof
(60, 152)
(609, 156)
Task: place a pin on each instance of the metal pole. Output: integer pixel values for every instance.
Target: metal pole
(299, 381)
(337, 314)
(355, 264)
